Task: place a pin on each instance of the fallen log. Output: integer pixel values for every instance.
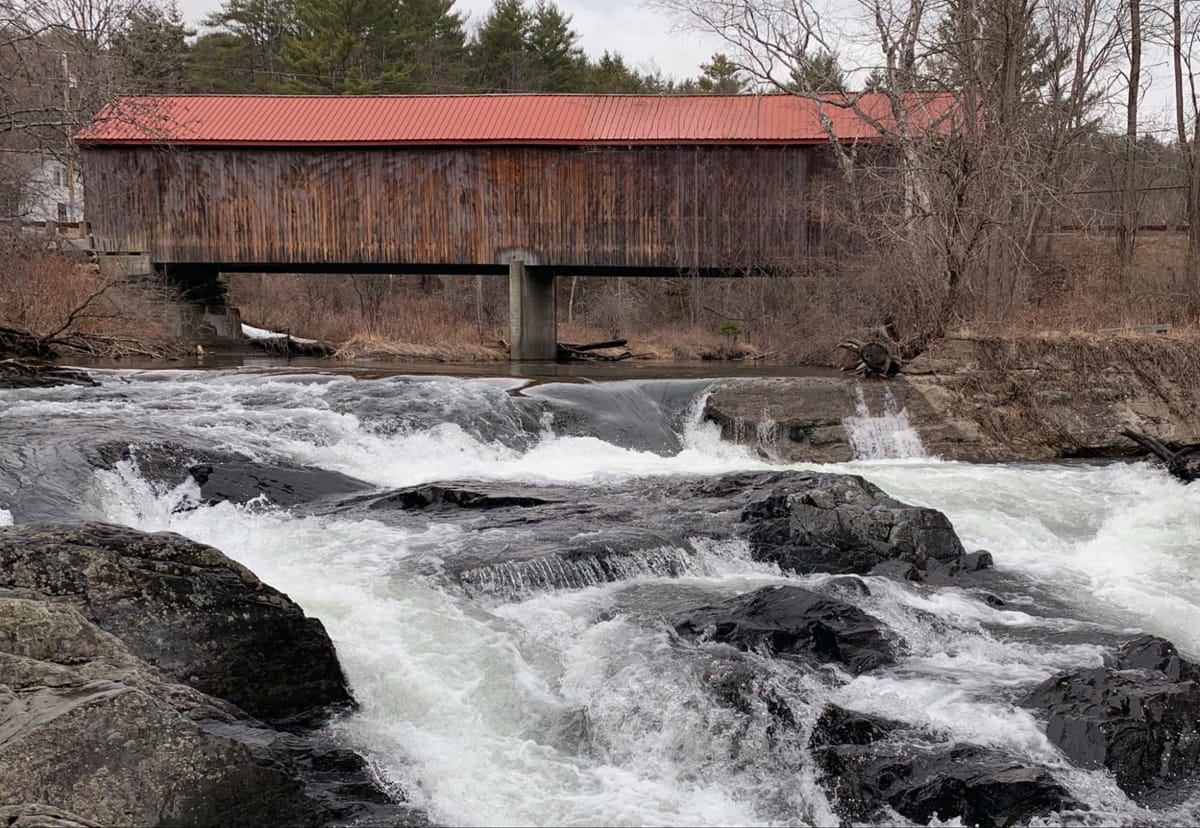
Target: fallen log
(1183, 464)
(567, 352)
(596, 346)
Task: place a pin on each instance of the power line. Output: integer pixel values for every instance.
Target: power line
(1121, 190)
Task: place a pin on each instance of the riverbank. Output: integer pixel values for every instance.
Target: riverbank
(984, 400)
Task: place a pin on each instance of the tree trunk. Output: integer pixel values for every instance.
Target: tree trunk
(1127, 231)
(1189, 150)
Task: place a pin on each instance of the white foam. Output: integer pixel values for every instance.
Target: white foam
(6, 518)
(479, 705)
(1115, 542)
(555, 709)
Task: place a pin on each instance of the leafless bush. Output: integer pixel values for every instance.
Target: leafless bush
(65, 303)
(456, 310)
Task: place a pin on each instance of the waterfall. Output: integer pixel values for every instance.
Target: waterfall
(885, 436)
(518, 579)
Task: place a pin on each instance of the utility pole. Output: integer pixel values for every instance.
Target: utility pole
(70, 156)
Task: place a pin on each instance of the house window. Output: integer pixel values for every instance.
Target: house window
(60, 179)
(62, 212)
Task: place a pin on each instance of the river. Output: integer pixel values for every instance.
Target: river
(576, 705)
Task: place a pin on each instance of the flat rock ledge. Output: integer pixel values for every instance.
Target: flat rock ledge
(149, 680)
(26, 372)
(983, 400)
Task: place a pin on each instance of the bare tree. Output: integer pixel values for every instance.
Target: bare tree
(1185, 37)
(963, 183)
(1127, 229)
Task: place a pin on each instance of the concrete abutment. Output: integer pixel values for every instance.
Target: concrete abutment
(533, 313)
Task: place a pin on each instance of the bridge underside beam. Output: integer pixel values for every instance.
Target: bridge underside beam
(532, 313)
(469, 269)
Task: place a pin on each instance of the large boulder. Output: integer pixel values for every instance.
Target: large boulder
(870, 765)
(188, 610)
(844, 524)
(789, 620)
(90, 734)
(1138, 716)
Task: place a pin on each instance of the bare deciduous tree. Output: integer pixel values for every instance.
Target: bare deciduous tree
(957, 193)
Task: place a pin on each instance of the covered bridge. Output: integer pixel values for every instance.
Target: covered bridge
(532, 185)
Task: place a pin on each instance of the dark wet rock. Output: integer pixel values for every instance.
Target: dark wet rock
(92, 735)
(521, 537)
(283, 485)
(960, 571)
(1138, 716)
(848, 585)
(1149, 652)
(788, 620)
(897, 570)
(35, 373)
(226, 476)
(965, 782)
(187, 609)
(433, 496)
(745, 688)
(841, 523)
(977, 561)
(869, 764)
(839, 726)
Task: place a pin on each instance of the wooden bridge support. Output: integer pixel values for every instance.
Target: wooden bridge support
(532, 313)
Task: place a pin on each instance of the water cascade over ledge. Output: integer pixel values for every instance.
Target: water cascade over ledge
(887, 435)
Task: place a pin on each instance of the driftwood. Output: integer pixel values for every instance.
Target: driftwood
(874, 358)
(1183, 464)
(24, 344)
(568, 352)
(596, 346)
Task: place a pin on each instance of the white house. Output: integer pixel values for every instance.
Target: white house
(39, 189)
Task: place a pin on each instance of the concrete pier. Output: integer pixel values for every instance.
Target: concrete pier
(532, 313)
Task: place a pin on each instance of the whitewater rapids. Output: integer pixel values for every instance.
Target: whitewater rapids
(573, 706)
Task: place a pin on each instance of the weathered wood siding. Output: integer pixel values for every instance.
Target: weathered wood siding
(675, 207)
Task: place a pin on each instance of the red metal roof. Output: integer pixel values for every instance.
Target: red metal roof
(278, 120)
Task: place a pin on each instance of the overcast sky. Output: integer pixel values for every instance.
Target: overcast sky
(649, 40)
(646, 39)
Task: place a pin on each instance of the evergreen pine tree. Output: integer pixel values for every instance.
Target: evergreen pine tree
(346, 47)
(153, 48)
(433, 44)
(721, 76)
(557, 62)
(499, 58)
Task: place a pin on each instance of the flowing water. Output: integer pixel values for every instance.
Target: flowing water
(523, 701)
